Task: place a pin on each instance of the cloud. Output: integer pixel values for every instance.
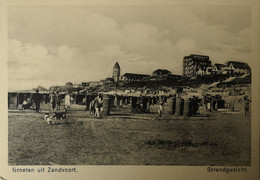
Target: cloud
(87, 48)
(30, 65)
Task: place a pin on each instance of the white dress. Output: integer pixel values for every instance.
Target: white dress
(67, 100)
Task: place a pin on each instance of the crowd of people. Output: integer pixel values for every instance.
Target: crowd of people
(54, 99)
(96, 105)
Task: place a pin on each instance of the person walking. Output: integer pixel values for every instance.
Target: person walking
(37, 100)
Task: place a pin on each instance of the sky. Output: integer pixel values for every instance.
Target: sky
(52, 45)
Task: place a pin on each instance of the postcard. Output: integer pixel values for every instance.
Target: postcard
(129, 89)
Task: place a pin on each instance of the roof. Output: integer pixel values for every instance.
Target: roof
(95, 82)
(239, 65)
(27, 92)
(135, 75)
(116, 66)
(197, 56)
(109, 79)
(161, 71)
(175, 75)
(219, 66)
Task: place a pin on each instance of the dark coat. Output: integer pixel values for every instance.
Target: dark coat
(37, 98)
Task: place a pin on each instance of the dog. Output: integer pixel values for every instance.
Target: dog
(57, 116)
(49, 119)
(61, 115)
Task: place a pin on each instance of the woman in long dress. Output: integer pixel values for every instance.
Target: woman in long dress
(67, 101)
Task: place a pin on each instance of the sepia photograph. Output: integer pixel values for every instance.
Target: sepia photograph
(116, 85)
(129, 84)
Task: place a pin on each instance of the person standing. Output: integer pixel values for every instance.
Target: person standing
(98, 104)
(52, 99)
(161, 108)
(246, 105)
(37, 100)
(46, 98)
(58, 98)
(67, 101)
(91, 108)
(138, 104)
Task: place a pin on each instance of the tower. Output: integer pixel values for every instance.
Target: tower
(116, 72)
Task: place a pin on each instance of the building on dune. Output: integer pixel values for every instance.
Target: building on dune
(238, 67)
(218, 68)
(194, 65)
(164, 74)
(129, 77)
(200, 65)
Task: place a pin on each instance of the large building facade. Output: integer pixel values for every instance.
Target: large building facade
(194, 65)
